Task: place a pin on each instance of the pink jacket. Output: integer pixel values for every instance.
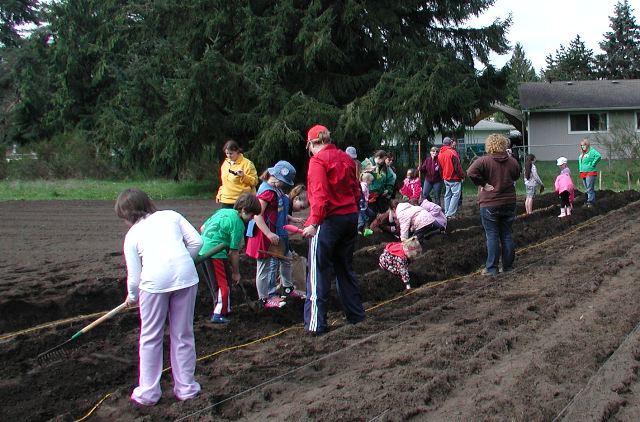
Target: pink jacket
(436, 211)
(564, 183)
(411, 188)
(412, 218)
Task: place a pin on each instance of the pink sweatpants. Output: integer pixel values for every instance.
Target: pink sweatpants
(178, 306)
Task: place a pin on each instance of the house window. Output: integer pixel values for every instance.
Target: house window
(638, 120)
(588, 122)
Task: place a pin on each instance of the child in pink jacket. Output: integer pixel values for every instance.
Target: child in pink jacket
(414, 221)
(565, 188)
(411, 187)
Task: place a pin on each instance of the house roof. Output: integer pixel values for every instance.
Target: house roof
(489, 125)
(580, 95)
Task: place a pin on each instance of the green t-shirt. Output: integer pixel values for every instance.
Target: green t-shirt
(225, 226)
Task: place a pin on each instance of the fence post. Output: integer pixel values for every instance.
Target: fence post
(629, 180)
(600, 180)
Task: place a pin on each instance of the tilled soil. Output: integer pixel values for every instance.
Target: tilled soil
(556, 338)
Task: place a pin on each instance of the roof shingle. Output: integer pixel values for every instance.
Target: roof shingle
(580, 95)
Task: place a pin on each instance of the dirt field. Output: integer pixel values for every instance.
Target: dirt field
(555, 339)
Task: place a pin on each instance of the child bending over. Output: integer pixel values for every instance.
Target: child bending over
(396, 256)
(270, 222)
(159, 249)
(226, 226)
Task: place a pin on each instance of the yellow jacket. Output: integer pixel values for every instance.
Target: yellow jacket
(231, 186)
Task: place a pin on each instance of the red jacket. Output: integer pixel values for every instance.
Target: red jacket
(333, 188)
(450, 164)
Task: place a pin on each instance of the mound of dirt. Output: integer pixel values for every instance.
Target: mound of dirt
(521, 345)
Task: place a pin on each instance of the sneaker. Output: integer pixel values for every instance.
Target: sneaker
(290, 292)
(219, 319)
(273, 303)
(486, 272)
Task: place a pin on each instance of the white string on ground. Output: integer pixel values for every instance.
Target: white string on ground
(564, 409)
(379, 416)
(334, 353)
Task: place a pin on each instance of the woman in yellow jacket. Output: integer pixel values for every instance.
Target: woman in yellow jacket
(237, 175)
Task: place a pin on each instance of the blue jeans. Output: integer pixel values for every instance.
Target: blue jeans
(452, 191)
(589, 186)
(365, 216)
(497, 222)
(428, 187)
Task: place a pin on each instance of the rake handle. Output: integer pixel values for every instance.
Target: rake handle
(100, 320)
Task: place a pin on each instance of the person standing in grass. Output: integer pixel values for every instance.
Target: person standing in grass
(159, 249)
(237, 175)
(226, 226)
(587, 161)
(495, 173)
(531, 182)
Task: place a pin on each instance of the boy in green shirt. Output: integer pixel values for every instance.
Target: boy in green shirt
(226, 226)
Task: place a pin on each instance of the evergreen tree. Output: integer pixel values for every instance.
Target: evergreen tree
(621, 46)
(154, 83)
(520, 70)
(571, 64)
(14, 13)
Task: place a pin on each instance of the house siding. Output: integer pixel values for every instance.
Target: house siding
(549, 136)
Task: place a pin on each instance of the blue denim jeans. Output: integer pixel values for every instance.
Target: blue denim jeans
(497, 222)
(589, 186)
(435, 188)
(452, 191)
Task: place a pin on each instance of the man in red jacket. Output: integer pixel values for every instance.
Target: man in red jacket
(452, 174)
(333, 191)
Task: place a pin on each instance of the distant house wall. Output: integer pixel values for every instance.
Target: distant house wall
(479, 136)
(549, 136)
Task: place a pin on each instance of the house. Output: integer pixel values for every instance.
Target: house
(558, 115)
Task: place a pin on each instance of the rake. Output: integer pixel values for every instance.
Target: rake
(61, 351)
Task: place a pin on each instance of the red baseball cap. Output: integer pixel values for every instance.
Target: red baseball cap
(314, 132)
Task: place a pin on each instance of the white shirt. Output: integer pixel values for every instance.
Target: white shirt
(159, 252)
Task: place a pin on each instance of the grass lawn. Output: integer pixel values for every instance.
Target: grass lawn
(613, 177)
(102, 189)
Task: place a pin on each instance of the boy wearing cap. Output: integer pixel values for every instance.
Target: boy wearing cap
(333, 194)
(564, 188)
(267, 229)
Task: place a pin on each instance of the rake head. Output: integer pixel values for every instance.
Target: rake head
(54, 354)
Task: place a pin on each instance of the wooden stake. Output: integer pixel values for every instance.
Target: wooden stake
(600, 181)
(419, 156)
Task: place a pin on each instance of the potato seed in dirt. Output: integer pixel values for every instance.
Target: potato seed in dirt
(555, 339)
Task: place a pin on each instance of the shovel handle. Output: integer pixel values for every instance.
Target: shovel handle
(208, 254)
(276, 255)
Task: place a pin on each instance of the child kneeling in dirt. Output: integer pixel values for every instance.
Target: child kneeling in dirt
(159, 249)
(226, 226)
(396, 256)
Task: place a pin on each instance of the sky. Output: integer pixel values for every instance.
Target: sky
(542, 25)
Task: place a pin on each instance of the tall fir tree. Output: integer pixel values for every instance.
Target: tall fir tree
(621, 46)
(14, 13)
(156, 82)
(520, 70)
(571, 64)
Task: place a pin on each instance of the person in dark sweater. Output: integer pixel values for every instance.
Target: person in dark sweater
(495, 174)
